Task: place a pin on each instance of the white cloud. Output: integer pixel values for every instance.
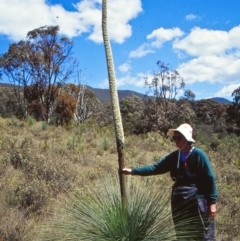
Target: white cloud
(234, 34)
(129, 80)
(141, 51)
(203, 42)
(208, 42)
(224, 69)
(156, 39)
(120, 12)
(137, 80)
(227, 90)
(126, 67)
(161, 35)
(190, 17)
(19, 17)
(214, 58)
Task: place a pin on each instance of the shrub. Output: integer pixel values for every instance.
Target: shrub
(32, 196)
(14, 226)
(44, 125)
(105, 144)
(42, 176)
(65, 108)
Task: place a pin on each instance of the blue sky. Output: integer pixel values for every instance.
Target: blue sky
(199, 38)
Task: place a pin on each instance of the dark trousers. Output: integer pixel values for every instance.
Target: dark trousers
(191, 220)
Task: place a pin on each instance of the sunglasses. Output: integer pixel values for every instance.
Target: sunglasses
(177, 138)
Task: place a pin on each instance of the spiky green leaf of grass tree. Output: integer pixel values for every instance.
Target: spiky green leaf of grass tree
(98, 214)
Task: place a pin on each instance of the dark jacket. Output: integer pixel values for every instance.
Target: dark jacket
(198, 172)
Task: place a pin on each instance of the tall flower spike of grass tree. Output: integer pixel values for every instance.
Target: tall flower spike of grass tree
(114, 101)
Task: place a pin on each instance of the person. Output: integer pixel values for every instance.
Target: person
(194, 194)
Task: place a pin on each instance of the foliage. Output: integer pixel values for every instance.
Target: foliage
(211, 113)
(227, 171)
(189, 95)
(65, 108)
(103, 115)
(39, 182)
(165, 84)
(14, 226)
(40, 65)
(139, 115)
(161, 110)
(132, 109)
(38, 165)
(233, 111)
(98, 214)
(8, 104)
(161, 120)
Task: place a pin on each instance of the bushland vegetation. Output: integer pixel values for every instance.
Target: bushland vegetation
(58, 159)
(42, 164)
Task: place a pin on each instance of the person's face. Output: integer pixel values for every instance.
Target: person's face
(179, 139)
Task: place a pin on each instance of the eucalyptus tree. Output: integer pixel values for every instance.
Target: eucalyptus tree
(164, 87)
(15, 66)
(132, 110)
(55, 63)
(208, 111)
(165, 84)
(114, 101)
(233, 112)
(189, 95)
(44, 61)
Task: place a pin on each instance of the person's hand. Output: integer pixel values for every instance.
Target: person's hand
(127, 171)
(213, 210)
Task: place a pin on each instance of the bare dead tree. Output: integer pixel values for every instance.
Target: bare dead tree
(87, 102)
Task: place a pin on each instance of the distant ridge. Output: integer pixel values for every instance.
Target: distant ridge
(221, 100)
(104, 94)
(5, 85)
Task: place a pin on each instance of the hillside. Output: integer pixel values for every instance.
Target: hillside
(104, 94)
(221, 100)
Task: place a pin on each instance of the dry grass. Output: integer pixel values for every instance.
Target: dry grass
(39, 162)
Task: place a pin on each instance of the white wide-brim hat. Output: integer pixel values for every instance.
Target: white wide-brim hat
(185, 130)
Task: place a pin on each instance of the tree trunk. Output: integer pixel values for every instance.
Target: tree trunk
(115, 102)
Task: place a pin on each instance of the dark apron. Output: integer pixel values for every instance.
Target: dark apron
(190, 215)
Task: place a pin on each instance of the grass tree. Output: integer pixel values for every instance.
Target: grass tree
(97, 213)
(115, 101)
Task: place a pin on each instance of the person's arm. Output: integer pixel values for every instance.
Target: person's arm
(162, 166)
